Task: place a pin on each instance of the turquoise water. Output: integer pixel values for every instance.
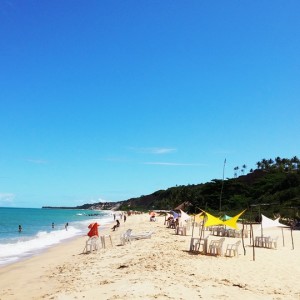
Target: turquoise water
(37, 231)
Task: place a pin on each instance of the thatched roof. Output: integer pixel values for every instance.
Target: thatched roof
(183, 206)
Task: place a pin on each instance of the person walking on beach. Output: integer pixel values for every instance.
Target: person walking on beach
(66, 226)
(20, 228)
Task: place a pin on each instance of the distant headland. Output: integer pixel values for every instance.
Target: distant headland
(94, 206)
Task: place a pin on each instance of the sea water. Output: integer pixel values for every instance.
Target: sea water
(42, 228)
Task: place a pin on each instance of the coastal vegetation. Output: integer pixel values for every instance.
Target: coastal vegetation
(273, 188)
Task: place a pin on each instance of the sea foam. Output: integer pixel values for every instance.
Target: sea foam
(26, 247)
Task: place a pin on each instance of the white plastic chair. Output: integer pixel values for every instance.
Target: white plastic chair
(91, 244)
(103, 237)
(180, 230)
(215, 246)
(272, 242)
(233, 249)
(201, 243)
(125, 237)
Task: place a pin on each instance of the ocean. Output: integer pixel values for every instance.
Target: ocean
(38, 233)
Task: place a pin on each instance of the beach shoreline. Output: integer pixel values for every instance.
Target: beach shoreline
(160, 267)
(42, 229)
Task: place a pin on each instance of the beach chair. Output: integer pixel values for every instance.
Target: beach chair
(215, 247)
(180, 230)
(262, 241)
(272, 242)
(125, 237)
(172, 224)
(233, 249)
(230, 232)
(202, 243)
(91, 244)
(103, 240)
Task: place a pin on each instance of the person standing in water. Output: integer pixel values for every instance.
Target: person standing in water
(20, 228)
(52, 225)
(66, 226)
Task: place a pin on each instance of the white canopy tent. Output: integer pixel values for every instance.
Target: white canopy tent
(269, 223)
(184, 217)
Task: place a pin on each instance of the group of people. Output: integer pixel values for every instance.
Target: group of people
(172, 222)
(66, 227)
(121, 215)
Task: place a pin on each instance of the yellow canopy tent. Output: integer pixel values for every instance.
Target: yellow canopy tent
(199, 218)
(232, 222)
(213, 221)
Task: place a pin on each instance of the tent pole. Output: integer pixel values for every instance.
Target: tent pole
(193, 227)
(292, 238)
(200, 235)
(261, 227)
(253, 250)
(282, 237)
(202, 232)
(251, 238)
(243, 239)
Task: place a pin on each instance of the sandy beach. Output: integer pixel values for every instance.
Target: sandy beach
(157, 268)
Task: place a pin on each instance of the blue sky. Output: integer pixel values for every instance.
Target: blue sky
(108, 100)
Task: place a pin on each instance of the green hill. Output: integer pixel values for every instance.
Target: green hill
(273, 188)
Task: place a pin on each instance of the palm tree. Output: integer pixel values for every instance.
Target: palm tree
(285, 164)
(295, 162)
(278, 162)
(244, 167)
(236, 171)
(265, 164)
(234, 174)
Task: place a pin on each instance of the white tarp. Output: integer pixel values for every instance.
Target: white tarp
(184, 216)
(268, 223)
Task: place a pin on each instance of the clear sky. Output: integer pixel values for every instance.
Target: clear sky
(108, 100)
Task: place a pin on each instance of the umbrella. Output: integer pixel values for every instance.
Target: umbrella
(175, 215)
(225, 218)
(93, 229)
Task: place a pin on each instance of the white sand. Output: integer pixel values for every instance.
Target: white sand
(156, 268)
